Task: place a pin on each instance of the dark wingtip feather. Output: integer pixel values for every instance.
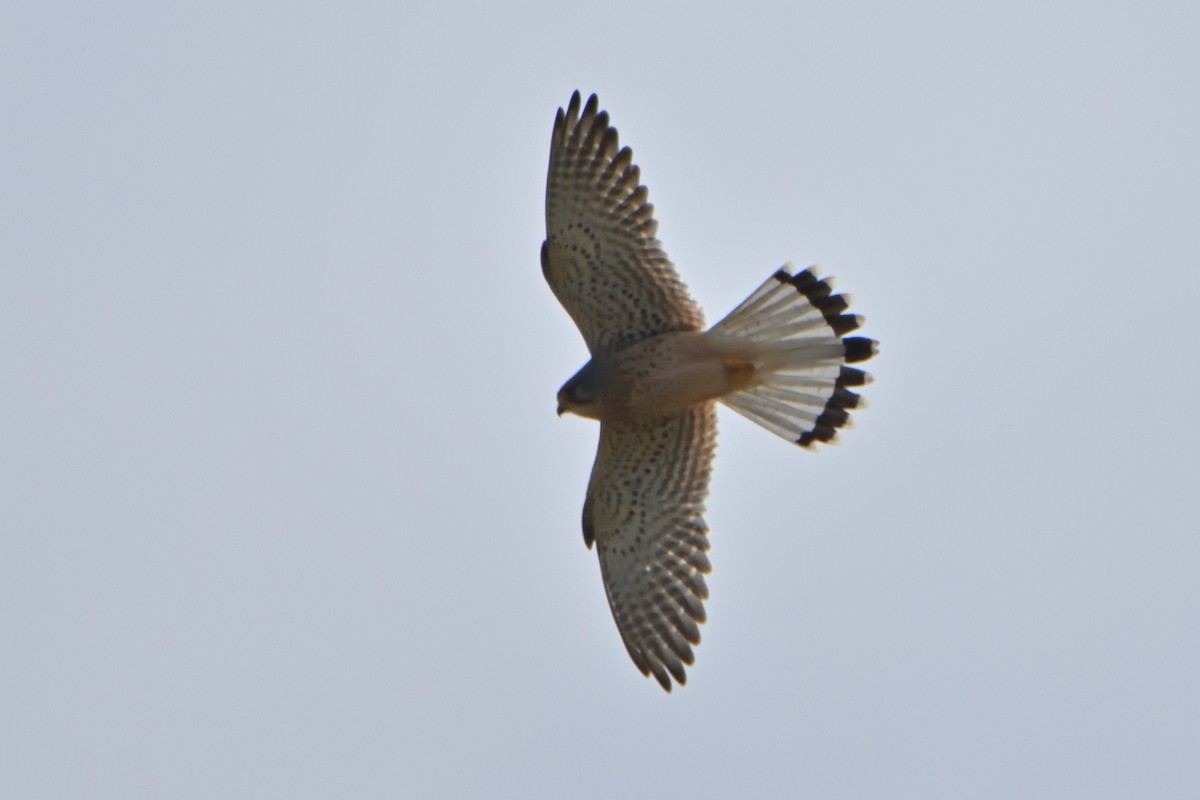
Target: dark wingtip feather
(844, 398)
(573, 106)
(853, 376)
(819, 292)
(822, 431)
(836, 413)
(859, 348)
(833, 307)
(844, 323)
(660, 675)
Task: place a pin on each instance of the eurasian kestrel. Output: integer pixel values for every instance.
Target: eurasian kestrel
(780, 358)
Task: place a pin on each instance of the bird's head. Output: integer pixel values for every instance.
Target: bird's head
(583, 394)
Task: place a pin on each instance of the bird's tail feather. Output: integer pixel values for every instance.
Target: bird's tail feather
(793, 329)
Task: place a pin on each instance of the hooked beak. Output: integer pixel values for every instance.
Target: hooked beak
(561, 411)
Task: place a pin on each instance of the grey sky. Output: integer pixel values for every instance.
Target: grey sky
(285, 510)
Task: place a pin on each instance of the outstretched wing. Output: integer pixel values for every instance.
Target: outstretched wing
(601, 257)
(644, 510)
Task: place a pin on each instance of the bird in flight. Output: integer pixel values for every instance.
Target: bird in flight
(781, 358)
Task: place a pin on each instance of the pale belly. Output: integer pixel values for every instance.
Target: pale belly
(672, 372)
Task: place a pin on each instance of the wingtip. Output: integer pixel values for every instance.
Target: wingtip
(859, 348)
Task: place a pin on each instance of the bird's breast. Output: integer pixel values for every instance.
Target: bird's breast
(671, 372)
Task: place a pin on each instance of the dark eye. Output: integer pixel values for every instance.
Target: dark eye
(579, 394)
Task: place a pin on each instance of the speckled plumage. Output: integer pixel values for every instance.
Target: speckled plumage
(601, 256)
(780, 358)
(645, 512)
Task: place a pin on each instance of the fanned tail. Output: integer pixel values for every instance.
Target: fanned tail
(793, 330)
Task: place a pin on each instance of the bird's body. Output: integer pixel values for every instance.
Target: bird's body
(656, 376)
(780, 358)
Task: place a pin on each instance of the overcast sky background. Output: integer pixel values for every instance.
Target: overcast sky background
(285, 510)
